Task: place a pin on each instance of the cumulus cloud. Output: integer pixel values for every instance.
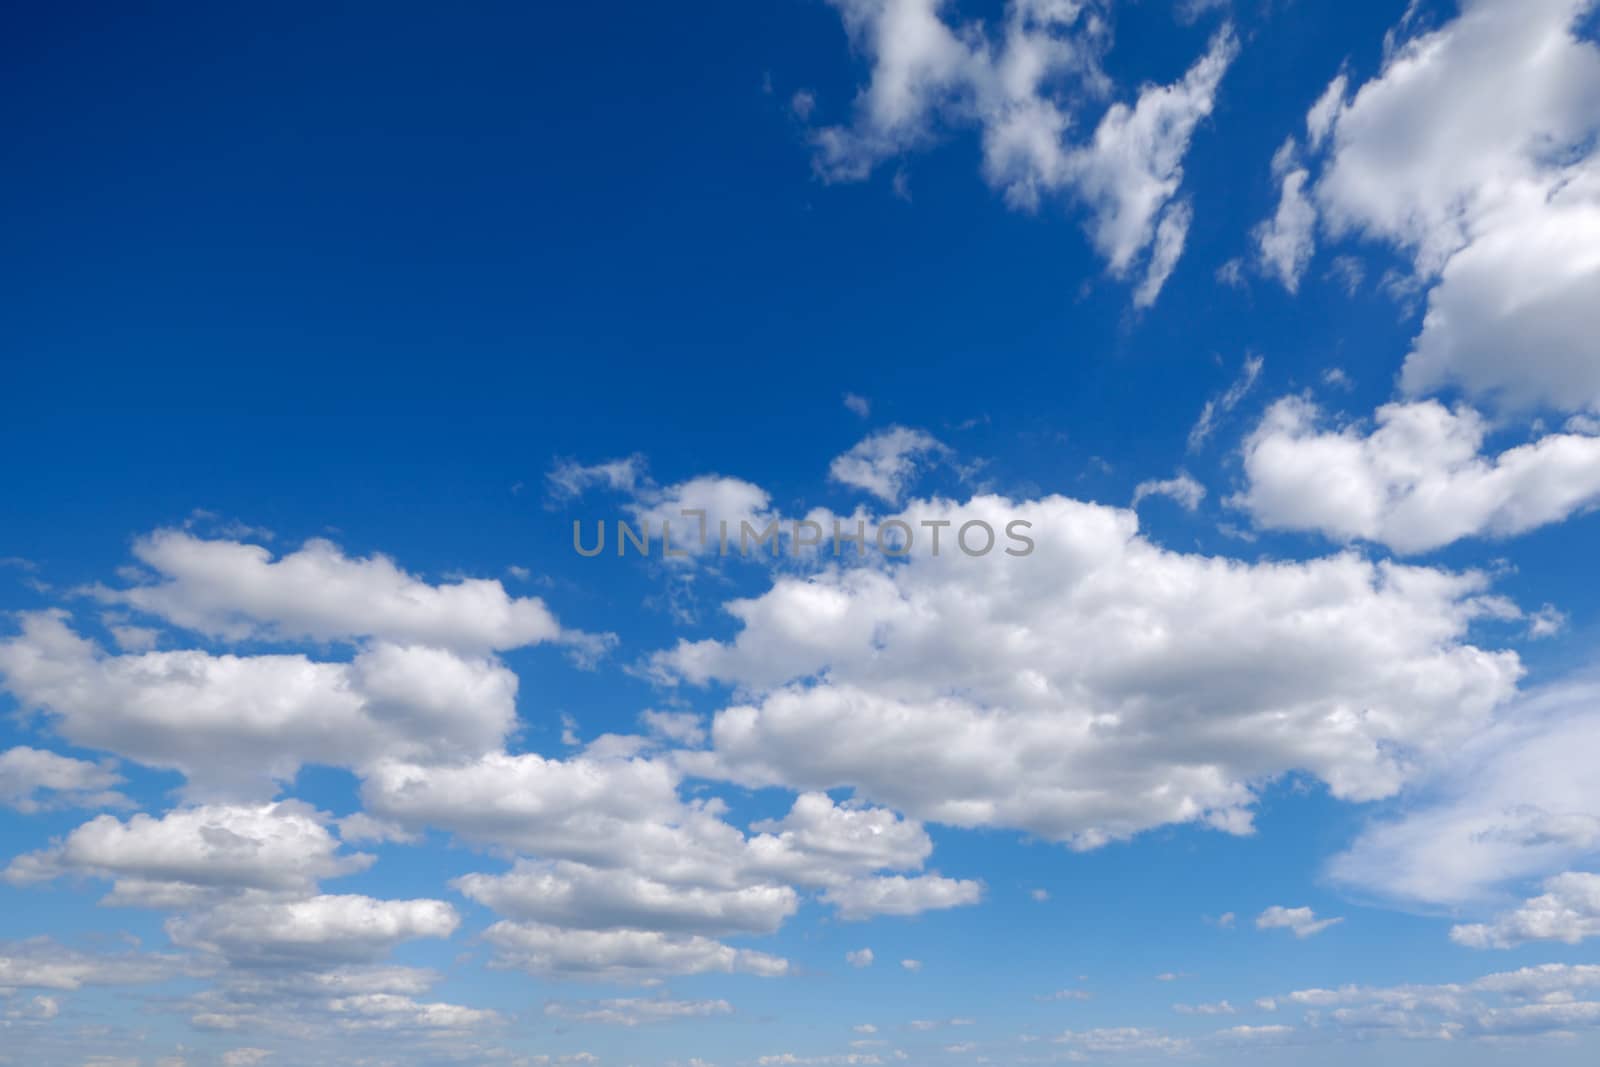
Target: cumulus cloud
(257, 929)
(1417, 481)
(621, 955)
(1025, 90)
(1302, 922)
(1474, 152)
(183, 855)
(33, 780)
(899, 895)
(1568, 911)
(884, 463)
(235, 726)
(1099, 687)
(237, 591)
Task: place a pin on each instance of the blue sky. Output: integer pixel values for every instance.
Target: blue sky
(1272, 321)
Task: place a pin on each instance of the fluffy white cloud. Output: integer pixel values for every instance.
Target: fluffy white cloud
(1520, 801)
(574, 895)
(284, 847)
(884, 463)
(1474, 151)
(237, 725)
(861, 957)
(899, 895)
(237, 591)
(33, 780)
(1417, 481)
(258, 929)
(621, 955)
(1024, 90)
(1302, 922)
(1568, 910)
(1098, 687)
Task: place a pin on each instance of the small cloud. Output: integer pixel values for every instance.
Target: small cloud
(858, 404)
(1183, 489)
(803, 103)
(1040, 895)
(1219, 406)
(861, 957)
(1546, 622)
(912, 965)
(1231, 273)
(1302, 922)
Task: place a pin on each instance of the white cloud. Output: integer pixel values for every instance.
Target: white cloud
(1285, 242)
(637, 1011)
(1024, 90)
(621, 955)
(1165, 687)
(1302, 922)
(1171, 233)
(1219, 406)
(1132, 169)
(861, 957)
(41, 963)
(1123, 1041)
(1544, 1001)
(1418, 481)
(1474, 152)
(257, 929)
(573, 895)
(33, 780)
(237, 725)
(1568, 910)
(237, 591)
(1520, 801)
(283, 846)
(899, 895)
(1181, 488)
(911, 965)
(884, 463)
(245, 1057)
(858, 404)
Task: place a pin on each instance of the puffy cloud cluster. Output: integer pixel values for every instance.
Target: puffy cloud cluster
(236, 726)
(1099, 687)
(1568, 910)
(237, 591)
(1024, 90)
(1474, 152)
(191, 852)
(1550, 1000)
(1416, 481)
